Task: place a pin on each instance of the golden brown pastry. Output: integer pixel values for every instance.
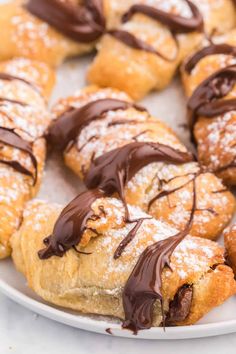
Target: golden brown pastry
(209, 78)
(78, 270)
(143, 53)
(48, 30)
(24, 89)
(230, 246)
(115, 145)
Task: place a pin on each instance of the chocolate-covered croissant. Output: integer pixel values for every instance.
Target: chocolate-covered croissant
(144, 50)
(118, 147)
(209, 78)
(161, 277)
(24, 89)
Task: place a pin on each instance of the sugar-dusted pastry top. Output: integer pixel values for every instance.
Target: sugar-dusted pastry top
(117, 146)
(24, 89)
(209, 77)
(148, 40)
(86, 276)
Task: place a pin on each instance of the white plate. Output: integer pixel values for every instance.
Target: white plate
(60, 185)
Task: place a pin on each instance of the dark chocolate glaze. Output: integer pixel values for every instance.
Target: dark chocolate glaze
(144, 286)
(69, 125)
(176, 23)
(70, 225)
(205, 100)
(82, 23)
(11, 138)
(179, 307)
(112, 171)
(212, 49)
(5, 100)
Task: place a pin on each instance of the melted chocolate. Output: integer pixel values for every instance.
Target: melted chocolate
(69, 125)
(112, 171)
(70, 225)
(82, 23)
(176, 23)
(4, 100)
(132, 41)
(11, 138)
(179, 307)
(205, 100)
(144, 285)
(212, 49)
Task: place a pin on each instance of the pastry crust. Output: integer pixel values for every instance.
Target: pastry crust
(136, 71)
(94, 283)
(25, 35)
(215, 204)
(230, 246)
(22, 108)
(216, 136)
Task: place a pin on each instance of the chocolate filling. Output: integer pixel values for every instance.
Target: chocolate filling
(69, 125)
(179, 307)
(11, 138)
(82, 23)
(9, 77)
(213, 49)
(205, 100)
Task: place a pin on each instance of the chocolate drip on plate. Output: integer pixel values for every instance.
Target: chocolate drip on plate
(11, 138)
(112, 171)
(205, 100)
(82, 23)
(176, 23)
(210, 50)
(70, 225)
(144, 286)
(179, 307)
(69, 125)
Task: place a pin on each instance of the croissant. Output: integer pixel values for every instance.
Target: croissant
(49, 30)
(209, 78)
(160, 277)
(142, 51)
(24, 89)
(117, 146)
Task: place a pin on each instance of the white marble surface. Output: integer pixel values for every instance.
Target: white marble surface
(23, 332)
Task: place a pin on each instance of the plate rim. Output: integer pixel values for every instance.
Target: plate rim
(99, 326)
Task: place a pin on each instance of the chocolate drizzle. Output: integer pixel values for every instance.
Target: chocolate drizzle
(70, 225)
(9, 77)
(144, 286)
(205, 100)
(82, 23)
(69, 125)
(11, 138)
(212, 49)
(112, 171)
(176, 24)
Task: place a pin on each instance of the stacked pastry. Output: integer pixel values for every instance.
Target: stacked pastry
(143, 51)
(24, 88)
(117, 146)
(51, 30)
(209, 78)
